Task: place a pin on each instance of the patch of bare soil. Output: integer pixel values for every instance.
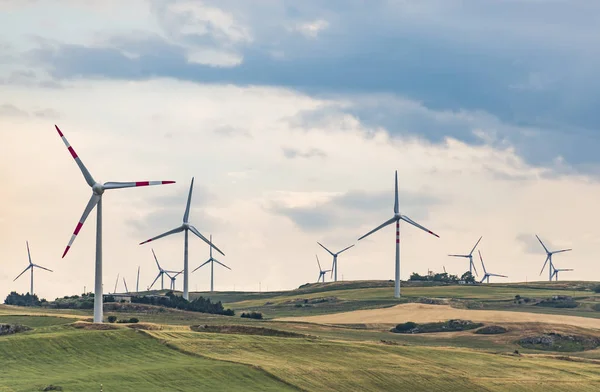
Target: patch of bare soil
(146, 326)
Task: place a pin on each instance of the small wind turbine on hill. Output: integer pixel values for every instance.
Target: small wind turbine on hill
(172, 277)
(96, 200)
(557, 270)
(211, 260)
(185, 227)
(470, 257)
(397, 218)
(321, 271)
(549, 259)
(161, 273)
(116, 283)
(334, 268)
(31, 266)
(486, 275)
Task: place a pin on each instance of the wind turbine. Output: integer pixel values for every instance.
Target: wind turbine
(137, 284)
(321, 271)
(549, 258)
(172, 287)
(161, 273)
(212, 260)
(31, 266)
(125, 283)
(470, 257)
(557, 270)
(335, 256)
(185, 227)
(96, 200)
(487, 274)
(397, 218)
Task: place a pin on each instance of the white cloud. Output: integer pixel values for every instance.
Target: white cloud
(312, 29)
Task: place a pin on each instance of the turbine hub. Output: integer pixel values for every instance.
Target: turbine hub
(397, 215)
(98, 188)
(186, 225)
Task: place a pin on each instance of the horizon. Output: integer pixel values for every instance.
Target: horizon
(293, 118)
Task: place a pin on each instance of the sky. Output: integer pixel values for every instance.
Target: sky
(292, 117)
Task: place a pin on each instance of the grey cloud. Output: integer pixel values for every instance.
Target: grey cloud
(9, 110)
(354, 208)
(229, 131)
(292, 153)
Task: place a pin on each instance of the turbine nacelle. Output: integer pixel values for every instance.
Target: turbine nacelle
(98, 189)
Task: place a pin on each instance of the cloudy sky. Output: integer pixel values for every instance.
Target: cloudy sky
(292, 117)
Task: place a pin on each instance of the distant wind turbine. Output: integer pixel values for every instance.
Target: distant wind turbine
(137, 284)
(96, 200)
(31, 266)
(322, 272)
(172, 277)
(116, 283)
(557, 270)
(185, 227)
(487, 274)
(334, 267)
(211, 260)
(397, 218)
(161, 273)
(470, 257)
(549, 259)
(125, 283)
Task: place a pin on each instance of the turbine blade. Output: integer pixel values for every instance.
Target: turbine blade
(412, 222)
(325, 248)
(28, 254)
(90, 206)
(186, 215)
(202, 265)
(396, 194)
(501, 276)
(29, 266)
(156, 259)
(483, 265)
(345, 249)
(546, 249)
(155, 279)
(477, 243)
(319, 264)
(381, 226)
(118, 185)
(195, 231)
(560, 251)
(474, 269)
(458, 256)
(175, 230)
(218, 262)
(544, 266)
(44, 268)
(86, 174)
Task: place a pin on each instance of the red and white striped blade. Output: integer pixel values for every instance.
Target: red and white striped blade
(86, 174)
(90, 206)
(118, 185)
(176, 230)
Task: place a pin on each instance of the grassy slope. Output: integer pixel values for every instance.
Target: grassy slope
(121, 360)
(365, 366)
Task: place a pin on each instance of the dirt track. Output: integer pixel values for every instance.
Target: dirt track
(422, 313)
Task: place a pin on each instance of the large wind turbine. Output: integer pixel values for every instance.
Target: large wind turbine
(96, 199)
(557, 270)
(470, 257)
(334, 268)
(172, 277)
(212, 260)
(161, 273)
(549, 258)
(486, 275)
(185, 227)
(397, 218)
(30, 266)
(322, 272)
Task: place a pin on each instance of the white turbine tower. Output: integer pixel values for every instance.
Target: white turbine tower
(172, 277)
(137, 284)
(549, 258)
(322, 272)
(96, 200)
(185, 227)
(334, 268)
(211, 260)
(397, 218)
(161, 273)
(470, 257)
(486, 275)
(31, 266)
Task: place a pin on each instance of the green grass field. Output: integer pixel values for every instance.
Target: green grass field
(329, 358)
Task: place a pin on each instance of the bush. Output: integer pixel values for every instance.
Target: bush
(132, 320)
(112, 319)
(406, 326)
(22, 299)
(171, 300)
(491, 330)
(597, 289)
(253, 315)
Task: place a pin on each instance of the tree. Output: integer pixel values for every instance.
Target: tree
(17, 299)
(468, 277)
(112, 319)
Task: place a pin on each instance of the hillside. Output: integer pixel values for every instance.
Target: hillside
(166, 351)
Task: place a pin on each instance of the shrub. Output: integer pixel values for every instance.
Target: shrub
(171, 300)
(112, 319)
(253, 315)
(406, 326)
(491, 330)
(134, 320)
(22, 299)
(597, 289)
